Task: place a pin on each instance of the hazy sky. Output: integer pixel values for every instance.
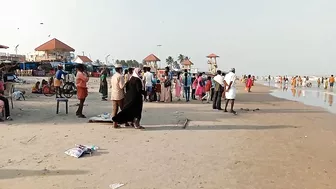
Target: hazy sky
(254, 36)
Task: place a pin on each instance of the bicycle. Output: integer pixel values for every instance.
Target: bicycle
(69, 89)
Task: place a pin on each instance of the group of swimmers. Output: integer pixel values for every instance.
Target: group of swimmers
(325, 81)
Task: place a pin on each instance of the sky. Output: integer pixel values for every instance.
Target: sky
(259, 37)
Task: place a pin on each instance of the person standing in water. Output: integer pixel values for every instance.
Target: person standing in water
(230, 89)
(331, 81)
(326, 83)
(318, 82)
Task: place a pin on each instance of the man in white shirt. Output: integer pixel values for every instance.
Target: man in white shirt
(218, 90)
(148, 80)
(117, 92)
(230, 89)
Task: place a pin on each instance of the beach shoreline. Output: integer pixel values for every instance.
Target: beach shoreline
(278, 146)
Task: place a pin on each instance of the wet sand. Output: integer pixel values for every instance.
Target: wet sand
(285, 144)
(313, 96)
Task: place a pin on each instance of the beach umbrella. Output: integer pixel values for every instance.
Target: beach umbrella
(3, 47)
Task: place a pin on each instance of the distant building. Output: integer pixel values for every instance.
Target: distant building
(186, 64)
(52, 51)
(12, 58)
(82, 60)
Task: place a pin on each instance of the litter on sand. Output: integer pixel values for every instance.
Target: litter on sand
(80, 150)
(116, 185)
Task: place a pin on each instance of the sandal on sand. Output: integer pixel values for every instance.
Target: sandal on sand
(116, 126)
(81, 116)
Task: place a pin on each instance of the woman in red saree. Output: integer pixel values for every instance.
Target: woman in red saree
(249, 83)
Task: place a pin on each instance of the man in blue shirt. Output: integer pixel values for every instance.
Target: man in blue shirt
(186, 82)
(58, 80)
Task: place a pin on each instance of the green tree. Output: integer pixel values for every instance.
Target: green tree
(135, 63)
(170, 61)
(181, 58)
(98, 62)
(123, 63)
(176, 65)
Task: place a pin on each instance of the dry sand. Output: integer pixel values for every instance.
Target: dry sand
(285, 145)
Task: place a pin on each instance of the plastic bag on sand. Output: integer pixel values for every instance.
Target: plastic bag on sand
(79, 150)
(75, 152)
(116, 185)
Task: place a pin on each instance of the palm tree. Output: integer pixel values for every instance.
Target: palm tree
(176, 65)
(181, 58)
(169, 61)
(98, 62)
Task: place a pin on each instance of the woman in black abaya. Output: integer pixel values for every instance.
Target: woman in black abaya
(133, 102)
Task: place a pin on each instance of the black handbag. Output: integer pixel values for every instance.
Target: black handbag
(167, 83)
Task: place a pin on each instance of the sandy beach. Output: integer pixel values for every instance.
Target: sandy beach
(284, 145)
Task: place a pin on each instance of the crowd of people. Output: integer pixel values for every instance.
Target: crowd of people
(130, 89)
(298, 81)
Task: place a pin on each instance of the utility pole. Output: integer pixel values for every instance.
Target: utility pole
(106, 59)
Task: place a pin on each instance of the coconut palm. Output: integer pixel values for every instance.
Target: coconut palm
(181, 58)
(176, 65)
(169, 61)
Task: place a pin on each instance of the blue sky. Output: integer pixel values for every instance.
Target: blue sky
(254, 36)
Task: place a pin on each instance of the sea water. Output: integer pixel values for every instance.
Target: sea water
(313, 96)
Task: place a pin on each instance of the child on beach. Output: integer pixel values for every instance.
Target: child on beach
(158, 90)
(36, 88)
(207, 90)
(318, 82)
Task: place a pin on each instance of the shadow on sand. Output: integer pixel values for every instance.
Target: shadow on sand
(217, 127)
(17, 173)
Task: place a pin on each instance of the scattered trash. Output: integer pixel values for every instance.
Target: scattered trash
(185, 123)
(80, 150)
(31, 139)
(116, 185)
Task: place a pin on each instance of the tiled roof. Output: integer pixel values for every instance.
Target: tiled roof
(212, 55)
(187, 62)
(84, 58)
(151, 58)
(54, 44)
